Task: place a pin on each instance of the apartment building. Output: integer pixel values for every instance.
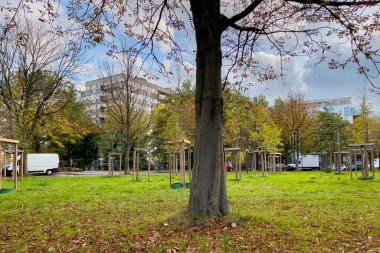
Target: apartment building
(97, 94)
(343, 106)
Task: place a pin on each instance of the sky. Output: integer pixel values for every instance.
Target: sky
(319, 82)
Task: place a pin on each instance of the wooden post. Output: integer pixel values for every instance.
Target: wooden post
(109, 165)
(148, 166)
(189, 161)
(5, 166)
(351, 162)
(21, 168)
(366, 160)
(356, 164)
(119, 165)
(362, 159)
(238, 164)
(134, 165)
(170, 173)
(236, 168)
(169, 160)
(112, 165)
(265, 163)
(255, 163)
(372, 163)
(334, 162)
(175, 163)
(137, 165)
(182, 164)
(1, 164)
(15, 167)
(275, 162)
(245, 160)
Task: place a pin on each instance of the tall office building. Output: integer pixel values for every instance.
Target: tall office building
(342, 106)
(97, 94)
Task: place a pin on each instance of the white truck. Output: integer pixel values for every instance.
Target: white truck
(306, 162)
(38, 163)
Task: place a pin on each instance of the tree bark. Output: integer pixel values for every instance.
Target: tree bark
(126, 158)
(208, 194)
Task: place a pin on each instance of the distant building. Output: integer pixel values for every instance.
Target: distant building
(96, 94)
(343, 106)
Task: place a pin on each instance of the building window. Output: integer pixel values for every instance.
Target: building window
(347, 111)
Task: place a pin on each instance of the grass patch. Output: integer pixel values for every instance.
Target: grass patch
(287, 212)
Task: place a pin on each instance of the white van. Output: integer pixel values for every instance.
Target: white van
(39, 163)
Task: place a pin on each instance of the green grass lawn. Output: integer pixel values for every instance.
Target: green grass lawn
(287, 212)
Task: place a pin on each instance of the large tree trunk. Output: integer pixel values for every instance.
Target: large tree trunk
(208, 194)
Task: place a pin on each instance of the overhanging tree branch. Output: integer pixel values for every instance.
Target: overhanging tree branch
(245, 12)
(336, 3)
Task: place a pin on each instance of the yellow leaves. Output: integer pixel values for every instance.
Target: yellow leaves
(98, 39)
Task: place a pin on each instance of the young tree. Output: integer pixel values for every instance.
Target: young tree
(182, 102)
(66, 128)
(237, 31)
(331, 133)
(376, 138)
(165, 127)
(297, 123)
(129, 104)
(72, 134)
(365, 124)
(248, 124)
(237, 120)
(173, 120)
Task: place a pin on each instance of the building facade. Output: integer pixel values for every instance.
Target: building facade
(342, 106)
(97, 94)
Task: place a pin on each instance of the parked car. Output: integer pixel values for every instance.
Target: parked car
(290, 167)
(358, 165)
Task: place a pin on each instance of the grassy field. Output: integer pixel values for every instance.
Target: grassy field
(288, 212)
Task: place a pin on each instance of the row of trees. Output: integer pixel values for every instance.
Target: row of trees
(290, 126)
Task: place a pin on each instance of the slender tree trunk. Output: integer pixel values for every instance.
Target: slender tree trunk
(208, 194)
(297, 155)
(25, 168)
(126, 158)
(331, 160)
